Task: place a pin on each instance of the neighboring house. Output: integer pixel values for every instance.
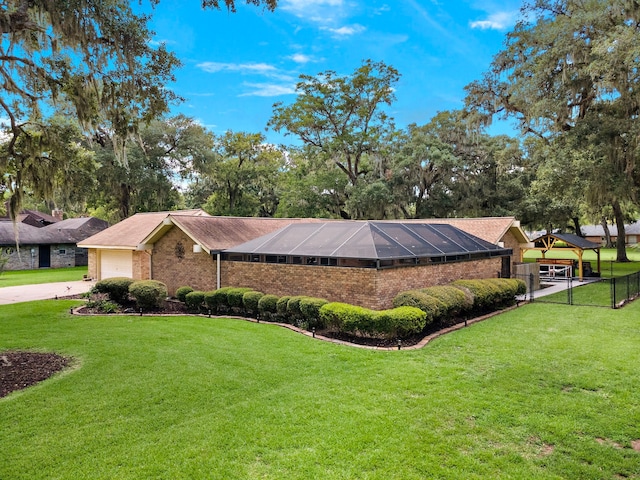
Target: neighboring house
(187, 248)
(51, 245)
(595, 233)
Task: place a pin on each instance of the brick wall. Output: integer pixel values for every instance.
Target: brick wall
(359, 286)
(338, 284)
(92, 269)
(141, 265)
(174, 263)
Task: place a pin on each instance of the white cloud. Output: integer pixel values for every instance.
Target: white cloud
(268, 90)
(260, 68)
(300, 58)
(496, 21)
(345, 31)
(317, 11)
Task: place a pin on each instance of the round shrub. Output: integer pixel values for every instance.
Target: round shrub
(310, 309)
(433, 307)
(400, 322)
(268, 306)
(217, 300)
(182, 292)
(281, 305)
(117, 288)
(149, 294)
(348, 318)
(454, 300)
(250, 301)
(194, 301)
(234, 296)
(484, 294)
(293, 306)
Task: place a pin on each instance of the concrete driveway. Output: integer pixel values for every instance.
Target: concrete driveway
(43, 291)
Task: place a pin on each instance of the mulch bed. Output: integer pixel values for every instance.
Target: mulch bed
(20, 370)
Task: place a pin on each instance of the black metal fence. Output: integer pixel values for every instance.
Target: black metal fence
(599, 292)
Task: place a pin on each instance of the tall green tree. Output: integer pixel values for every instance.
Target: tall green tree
(242, 174)
(159, 161)
(341, 119)
(96, 56)
(570, 63)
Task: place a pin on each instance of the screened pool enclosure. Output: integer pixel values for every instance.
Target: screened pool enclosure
(365, 244)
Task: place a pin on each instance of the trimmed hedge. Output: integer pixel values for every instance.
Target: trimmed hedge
(431, 306)
(182, 292)
(117, 288)
(234, 296)
(194, 301)
(149, 294)
(397, 322)
(455, 301)
(268, 306)
(310, 310)
(492, 293)
(250, 301)
(401, 322)
(216, 300)
(281, 305)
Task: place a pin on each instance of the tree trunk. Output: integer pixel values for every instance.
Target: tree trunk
(621, 254)
(576, 226)
(607, 234)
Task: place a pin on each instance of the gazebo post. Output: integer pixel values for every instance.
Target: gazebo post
(579, 252)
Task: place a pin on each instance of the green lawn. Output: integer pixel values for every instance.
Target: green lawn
(11, 278)
(541, 392)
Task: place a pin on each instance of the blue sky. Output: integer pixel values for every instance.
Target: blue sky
(236, 66)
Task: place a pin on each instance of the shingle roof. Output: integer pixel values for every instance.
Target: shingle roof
(219, 233)
(384, 240)
(64, 232)
(131, 232)
(491, 229)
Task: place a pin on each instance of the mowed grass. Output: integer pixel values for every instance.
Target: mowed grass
(12, 278)
(540, 392)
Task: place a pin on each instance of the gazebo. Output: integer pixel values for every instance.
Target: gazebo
(564, 242)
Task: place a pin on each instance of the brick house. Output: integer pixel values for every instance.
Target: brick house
(41, 241)
(193, 248)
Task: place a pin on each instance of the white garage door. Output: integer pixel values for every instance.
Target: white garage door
(116, 263)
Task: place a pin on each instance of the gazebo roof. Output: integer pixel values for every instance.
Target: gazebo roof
(568, 238)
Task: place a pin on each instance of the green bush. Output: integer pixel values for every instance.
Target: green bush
(455, 301)
(250, 301)
(492, 293)
(397, 322)
(149, 294)
(281, 305)
(293, 307)
(103, 306)
(434, 308)
(234, 296)
(268, 306)
(182, 292)
(346, 318)
(400, 322)
(117, 288)
(216, 300)
(194, 301)
(310, 310)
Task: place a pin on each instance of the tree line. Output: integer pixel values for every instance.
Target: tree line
(568, 74)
